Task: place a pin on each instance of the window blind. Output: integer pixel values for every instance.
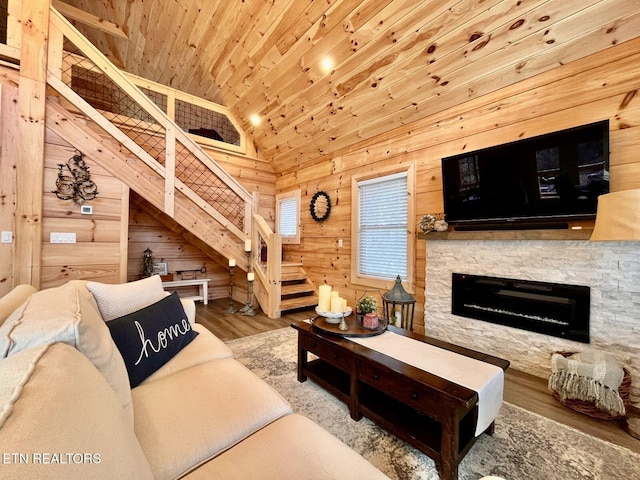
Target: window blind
(382, 242)
(288, 218)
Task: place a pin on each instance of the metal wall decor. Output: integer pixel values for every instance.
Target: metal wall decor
(320, 206)
(74, 181)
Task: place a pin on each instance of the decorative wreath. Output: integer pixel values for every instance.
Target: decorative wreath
(317, 214)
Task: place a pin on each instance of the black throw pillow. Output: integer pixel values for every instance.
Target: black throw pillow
(149, 338)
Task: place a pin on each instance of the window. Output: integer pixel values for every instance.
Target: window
(383, 235)
(288, 216)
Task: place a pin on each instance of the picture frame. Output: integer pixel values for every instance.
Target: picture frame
(160, 268)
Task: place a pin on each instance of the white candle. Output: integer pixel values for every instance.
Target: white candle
(232, 262)
(336, 305)
(251, 276)
(247, 245)
(398, 321)
(324, 296)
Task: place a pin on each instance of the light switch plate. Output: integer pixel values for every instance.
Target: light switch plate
(7, 237)
(62, 237)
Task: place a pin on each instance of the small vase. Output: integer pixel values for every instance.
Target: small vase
(370, 321)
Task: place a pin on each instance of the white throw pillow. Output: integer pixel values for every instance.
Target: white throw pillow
(117, 300)
(66, 314)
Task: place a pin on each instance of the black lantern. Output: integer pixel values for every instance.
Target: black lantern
(397, 302)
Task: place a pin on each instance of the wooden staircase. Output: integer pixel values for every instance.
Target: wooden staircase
(297, 290)
(140, 144)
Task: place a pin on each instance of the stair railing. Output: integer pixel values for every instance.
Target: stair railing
(267, 263)
(83, 76)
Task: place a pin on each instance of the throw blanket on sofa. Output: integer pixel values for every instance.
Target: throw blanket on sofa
(589, 376)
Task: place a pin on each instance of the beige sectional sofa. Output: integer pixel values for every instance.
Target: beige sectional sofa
(69, 411)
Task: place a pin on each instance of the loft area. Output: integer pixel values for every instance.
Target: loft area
(102, 94)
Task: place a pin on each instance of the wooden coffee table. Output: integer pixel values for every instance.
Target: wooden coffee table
(436, 416)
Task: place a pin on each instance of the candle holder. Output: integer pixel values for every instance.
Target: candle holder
(231, 308)
(249, 310)
(248, 306)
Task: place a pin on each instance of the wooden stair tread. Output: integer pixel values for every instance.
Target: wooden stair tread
(299, 302)
(291, 264)
(293, 276)
(297, 288)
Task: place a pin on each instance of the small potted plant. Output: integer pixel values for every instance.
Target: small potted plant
(366, 308)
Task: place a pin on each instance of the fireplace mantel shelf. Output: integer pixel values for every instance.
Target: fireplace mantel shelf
(568, 234)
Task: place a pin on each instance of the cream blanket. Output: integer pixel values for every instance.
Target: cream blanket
(484, 378)
(589, 376)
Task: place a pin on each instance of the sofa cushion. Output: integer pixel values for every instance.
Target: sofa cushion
(291, 447)
(116, 300)
(204, 348)
(14, 299)
(150, 337)
(185, 419)
(60, 419)
(66, 314)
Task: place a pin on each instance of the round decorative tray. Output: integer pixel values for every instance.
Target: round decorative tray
(332, 317)
(355, 327)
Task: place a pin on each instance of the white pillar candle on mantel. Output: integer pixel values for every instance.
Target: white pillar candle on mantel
(324, 298)
(232, 262)
(247, 245)
(251, 276)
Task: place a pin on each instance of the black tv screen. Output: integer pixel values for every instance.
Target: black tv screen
(552, 177)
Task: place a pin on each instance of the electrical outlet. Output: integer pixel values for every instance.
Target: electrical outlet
(61, 237)
(7, 237)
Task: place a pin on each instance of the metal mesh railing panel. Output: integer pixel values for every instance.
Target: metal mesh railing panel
(206, 123)
(99, 91)
(88, 81)
(212, 189)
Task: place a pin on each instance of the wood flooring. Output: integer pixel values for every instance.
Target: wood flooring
(521, 389)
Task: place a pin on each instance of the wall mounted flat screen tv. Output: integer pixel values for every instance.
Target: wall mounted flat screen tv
(540, 181)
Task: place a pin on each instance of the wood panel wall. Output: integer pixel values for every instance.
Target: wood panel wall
(604, 85)
(100, 250)
(170, 246)
(8, 180)
(101, 238)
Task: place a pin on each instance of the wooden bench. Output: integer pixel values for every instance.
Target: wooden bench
(201, 283)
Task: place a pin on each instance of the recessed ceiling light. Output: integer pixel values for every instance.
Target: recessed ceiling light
(255, 119)
(327, 64)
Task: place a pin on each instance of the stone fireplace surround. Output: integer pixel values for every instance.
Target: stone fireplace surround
(611, 269)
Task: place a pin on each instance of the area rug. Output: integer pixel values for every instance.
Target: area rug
(524, 445)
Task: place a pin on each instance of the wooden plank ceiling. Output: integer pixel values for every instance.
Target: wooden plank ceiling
(393, 61)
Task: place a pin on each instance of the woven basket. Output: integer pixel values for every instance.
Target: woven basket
(589, 408)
